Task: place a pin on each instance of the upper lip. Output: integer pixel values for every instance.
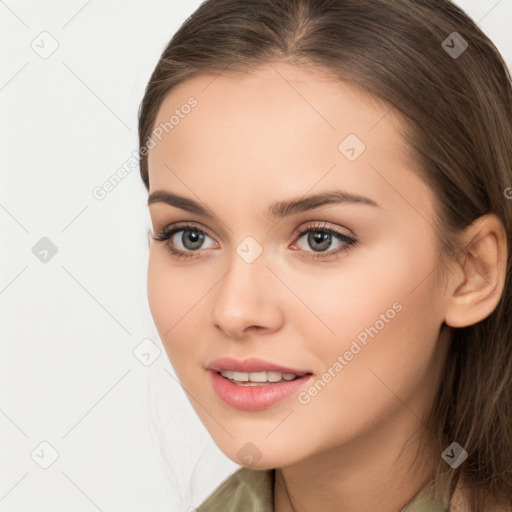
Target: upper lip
(252, 364)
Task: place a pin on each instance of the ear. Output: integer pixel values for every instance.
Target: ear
(479, 277)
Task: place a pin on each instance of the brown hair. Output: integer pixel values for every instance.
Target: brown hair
(458, 112)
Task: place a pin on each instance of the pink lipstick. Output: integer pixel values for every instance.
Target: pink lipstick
(254, 384)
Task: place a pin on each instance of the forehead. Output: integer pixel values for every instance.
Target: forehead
(279, 125)
(276, 95)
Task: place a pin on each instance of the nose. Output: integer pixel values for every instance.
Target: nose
(247, 299)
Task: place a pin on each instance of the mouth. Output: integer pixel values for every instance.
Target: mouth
(238, 390)
(253, 384)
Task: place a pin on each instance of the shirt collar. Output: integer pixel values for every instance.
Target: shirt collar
(252, 490)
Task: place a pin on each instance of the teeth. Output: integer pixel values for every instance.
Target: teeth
(257, 376)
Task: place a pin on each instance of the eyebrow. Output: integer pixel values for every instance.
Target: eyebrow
(278, 209)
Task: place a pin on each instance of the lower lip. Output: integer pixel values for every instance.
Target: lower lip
(255, 398)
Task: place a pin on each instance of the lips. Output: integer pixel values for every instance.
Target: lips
(252, 364)
(259, 396)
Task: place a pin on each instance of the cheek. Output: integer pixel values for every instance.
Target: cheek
(386, 317)
(338, 303)
(168, 294)
(395, 270)
(387, 370)
(177, 299)
(161, 298)
(172, 289)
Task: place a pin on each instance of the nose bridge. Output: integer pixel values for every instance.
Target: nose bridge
(247, 266)
(245, 296)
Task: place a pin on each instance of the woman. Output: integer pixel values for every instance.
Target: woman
(329, 189)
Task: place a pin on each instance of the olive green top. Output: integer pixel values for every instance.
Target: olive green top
(252, 490)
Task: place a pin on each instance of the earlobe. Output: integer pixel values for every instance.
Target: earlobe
(478, 284)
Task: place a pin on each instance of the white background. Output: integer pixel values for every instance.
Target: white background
(68, 374)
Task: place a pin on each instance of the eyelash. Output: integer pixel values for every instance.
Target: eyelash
(166, 234)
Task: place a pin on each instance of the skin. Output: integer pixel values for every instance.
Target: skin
(273, 135)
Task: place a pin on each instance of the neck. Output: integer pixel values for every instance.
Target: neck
(372, 473)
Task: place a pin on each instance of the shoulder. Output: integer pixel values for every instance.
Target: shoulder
(246, 489)
(460, 502)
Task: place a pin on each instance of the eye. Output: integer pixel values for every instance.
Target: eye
(184, 240)
(191, 239)
(321, 237)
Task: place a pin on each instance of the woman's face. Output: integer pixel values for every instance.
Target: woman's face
(363, 319)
